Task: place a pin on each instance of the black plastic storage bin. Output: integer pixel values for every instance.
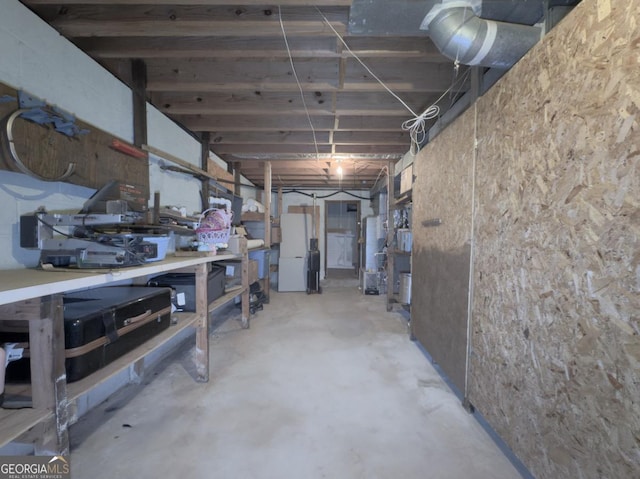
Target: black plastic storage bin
(185, 284)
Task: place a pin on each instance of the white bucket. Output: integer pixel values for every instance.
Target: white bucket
(405, 288)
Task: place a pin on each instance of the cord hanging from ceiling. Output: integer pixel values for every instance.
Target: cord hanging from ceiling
(295, 74)
(416, 125)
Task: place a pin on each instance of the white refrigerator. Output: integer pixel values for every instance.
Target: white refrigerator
(292, 265)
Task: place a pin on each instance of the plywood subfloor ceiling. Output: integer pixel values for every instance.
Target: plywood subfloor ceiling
(223, 69)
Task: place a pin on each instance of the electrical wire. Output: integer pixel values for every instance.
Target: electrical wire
(295, 75)
(310, 195)
(415, 126)
(382, 170)
(71, 167)
(363, 64)
(52, 228)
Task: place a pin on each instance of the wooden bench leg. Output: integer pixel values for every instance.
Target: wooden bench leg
(48, 376)
(202, 331)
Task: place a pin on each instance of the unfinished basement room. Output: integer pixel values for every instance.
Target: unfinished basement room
(371, 239)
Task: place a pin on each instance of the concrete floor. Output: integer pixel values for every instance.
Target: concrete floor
(321, 386)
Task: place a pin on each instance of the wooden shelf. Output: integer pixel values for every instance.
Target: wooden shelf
(15, 422)
(36, 295)
(26, 418)
(29, 283)
(78, 388)
(224, 299)
(403, 199)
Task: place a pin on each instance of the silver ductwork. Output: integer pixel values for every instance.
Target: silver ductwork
(461, 35)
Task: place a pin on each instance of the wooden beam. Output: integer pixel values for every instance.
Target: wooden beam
(371, 137)
(284, 167)
(139, 97)
(236, 123)
(205, 141)
(268, 137)
(316, 102)
(364, 123)
(390, 233)
(421, 49)
(237, 177)
(244, 74)
(373, 149)
(298, 3)
(262, 149)
(245, 102)
(179, 21)
(267, 204)
(267, 224)
(401, 77)
(374, 159)
(285, 153)
(202, 328)
(245, 284)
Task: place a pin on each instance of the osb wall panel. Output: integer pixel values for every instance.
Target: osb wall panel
(47, 152)
(441, 254)
(555, 366)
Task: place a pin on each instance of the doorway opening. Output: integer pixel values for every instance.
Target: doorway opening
(342, 238)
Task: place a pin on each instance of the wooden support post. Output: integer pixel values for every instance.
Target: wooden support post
(204, 164)
(139, 90)
(48, 376)
(390, 234)
(202, 331)
(267, 204)
(267, 223)
(237, 189)
(245, 283)
(280, 201)
(156, 208)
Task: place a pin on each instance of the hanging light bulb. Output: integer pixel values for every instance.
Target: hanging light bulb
(339, 170)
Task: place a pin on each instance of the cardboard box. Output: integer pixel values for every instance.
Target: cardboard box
(406, 179)
(276, 234)
(234, 244)
(253, 271)
(262, 257)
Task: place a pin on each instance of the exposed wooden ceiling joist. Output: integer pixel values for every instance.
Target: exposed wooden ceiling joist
(299, 3)
(265, 48)
(224, 69)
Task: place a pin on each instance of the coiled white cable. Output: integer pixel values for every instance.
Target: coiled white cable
(416, 126)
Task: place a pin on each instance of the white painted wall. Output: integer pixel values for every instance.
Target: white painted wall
(36, 59)
(165, 135)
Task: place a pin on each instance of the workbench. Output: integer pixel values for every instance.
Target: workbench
(35, 295)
